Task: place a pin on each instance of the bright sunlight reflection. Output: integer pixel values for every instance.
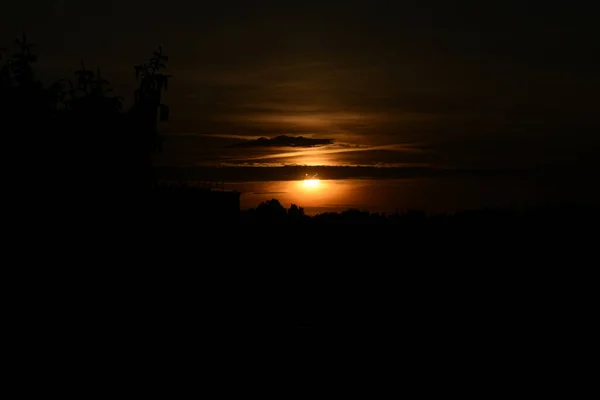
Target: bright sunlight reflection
(311, 183)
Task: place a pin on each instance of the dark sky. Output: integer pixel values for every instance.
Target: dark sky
(485, 84)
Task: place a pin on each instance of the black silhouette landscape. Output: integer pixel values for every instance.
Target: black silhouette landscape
(191, 184)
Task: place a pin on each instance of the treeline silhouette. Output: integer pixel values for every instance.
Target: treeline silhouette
(272, 211)
(71, 141)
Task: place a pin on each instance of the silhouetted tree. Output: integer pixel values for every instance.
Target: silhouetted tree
(56, 95)
(21, 62)
(23, 102)
(271, 211)
(75, 136)
(296, 214)
(17, 71)
(92, 96)
(141, 140)
(85, 79)
(148, 105)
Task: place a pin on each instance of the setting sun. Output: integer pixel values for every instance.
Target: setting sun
(311, 183)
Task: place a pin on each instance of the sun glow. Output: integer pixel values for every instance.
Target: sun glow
(311, 183)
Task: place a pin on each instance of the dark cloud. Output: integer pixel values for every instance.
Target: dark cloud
(284, 141)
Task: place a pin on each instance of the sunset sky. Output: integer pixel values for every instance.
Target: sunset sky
(479, 85)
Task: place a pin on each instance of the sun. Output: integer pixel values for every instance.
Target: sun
(311, 183)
